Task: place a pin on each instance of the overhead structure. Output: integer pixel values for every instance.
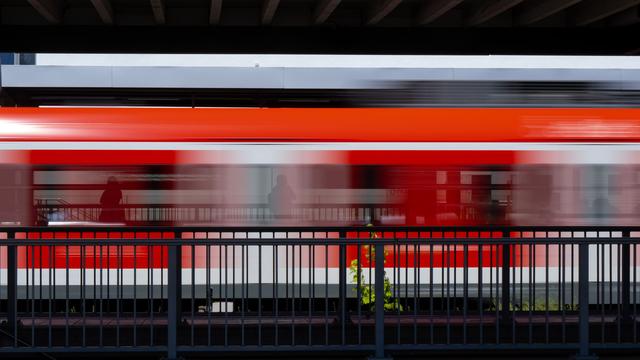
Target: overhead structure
(534, 12)
(432, 10)
(323, 10)
(268, 11)
(105, 10)
(322, 26)
(592, 11)
(489, 10)
(157, 6)
(51, 10)
(387, 13)
(380, 9)
(215, 12)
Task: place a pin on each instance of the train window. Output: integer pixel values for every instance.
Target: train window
(319, 194)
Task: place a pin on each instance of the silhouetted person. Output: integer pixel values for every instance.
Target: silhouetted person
(112, 212)
(281, 198)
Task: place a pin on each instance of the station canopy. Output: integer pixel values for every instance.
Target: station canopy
(322, 26)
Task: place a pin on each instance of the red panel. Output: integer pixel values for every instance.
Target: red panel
(102, 157)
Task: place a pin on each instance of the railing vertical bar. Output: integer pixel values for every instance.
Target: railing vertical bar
(226, 284)
(513, 294)
(100, 291)
(40, 286)
(172, 301)
(562, 288)
(603, 289)
(259, 294)
(396, 288)
(309, 293)
(572, 267)
(359, 291)
(583, 278)
(12, 289)
(465, 292)
(293, 293)
(66, 300)
(208, 288)
(118, 291)
(635, 290)
(416, 291)
(532, 269)
(379, 304)
(406, 276)
(135, 295)
(276, 295)
(506, 280)
(83, 282)
(243, 295)
(495, 252)
(293, 289)
(481, 294)
(193, 292)
(326, 295)
(342, 286)
(233, 278)
(626, 276)
(611, 276)
(448, 291)
(150, 268)
(431, 332)
(546, 293)
(30, 283)
(619, 302)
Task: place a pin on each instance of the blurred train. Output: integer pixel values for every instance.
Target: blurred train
(77, 167)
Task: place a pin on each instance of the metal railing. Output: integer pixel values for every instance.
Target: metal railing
(368, 290)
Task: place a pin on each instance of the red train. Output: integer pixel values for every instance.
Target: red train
(228, 167)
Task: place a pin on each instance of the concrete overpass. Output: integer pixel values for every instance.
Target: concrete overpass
(322, 26)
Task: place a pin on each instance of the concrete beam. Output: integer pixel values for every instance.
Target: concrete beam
(537, 11)
(490, 10)
(625, 18)
(49, 9)
(215, 11)
(593, 10)
(269, 8)
(380, 9)
(323, 10)
(157, 6)
(104, 9)
(433, 9)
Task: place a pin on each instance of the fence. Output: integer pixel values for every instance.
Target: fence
(380, 291)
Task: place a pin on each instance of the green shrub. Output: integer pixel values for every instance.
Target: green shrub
(367, 291)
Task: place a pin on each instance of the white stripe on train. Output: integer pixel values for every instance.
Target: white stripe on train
(321, 146)
(297, 276)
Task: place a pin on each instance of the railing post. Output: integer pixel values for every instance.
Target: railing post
(379, 291)
(342, 284)
(173, 301)
(583, 296)
(12, 290)
(626, 278)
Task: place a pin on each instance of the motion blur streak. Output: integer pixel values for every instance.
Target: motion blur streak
(446, 166)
